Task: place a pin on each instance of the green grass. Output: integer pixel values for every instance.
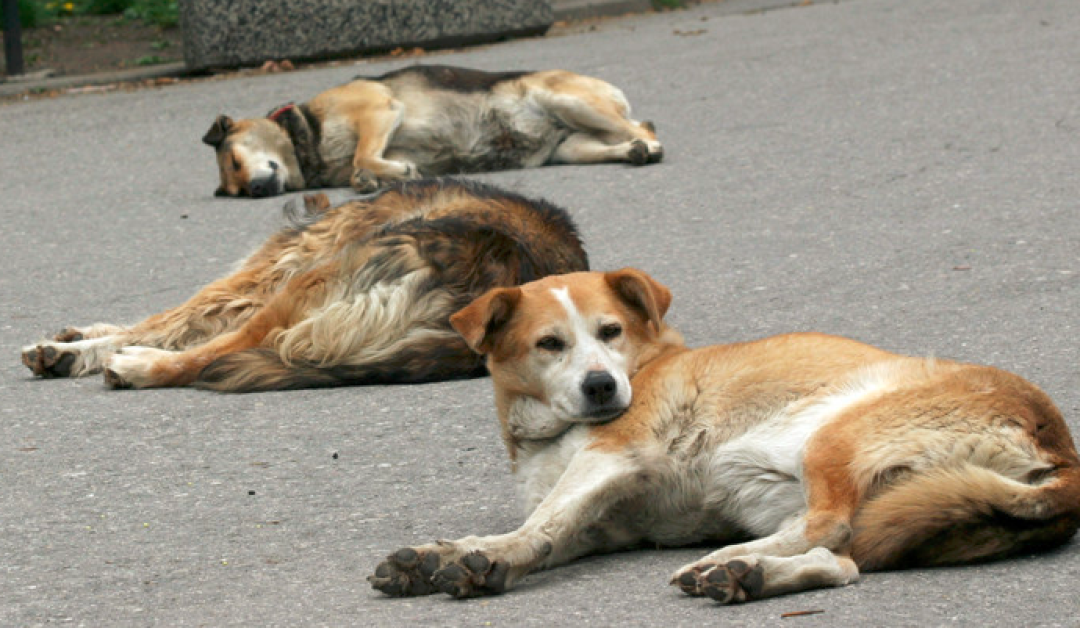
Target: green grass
(151, 60)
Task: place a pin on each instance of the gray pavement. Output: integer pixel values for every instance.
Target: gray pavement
(899, 171)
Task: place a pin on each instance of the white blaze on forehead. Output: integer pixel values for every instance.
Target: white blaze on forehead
(562, 295)
(585, 344)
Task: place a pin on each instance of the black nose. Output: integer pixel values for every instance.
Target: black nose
(599, 387)
(263, 187)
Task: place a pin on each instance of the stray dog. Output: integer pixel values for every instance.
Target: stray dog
(815, 457)
(357, 294)
(429, 120)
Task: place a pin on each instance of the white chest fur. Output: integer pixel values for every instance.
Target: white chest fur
(540, 464)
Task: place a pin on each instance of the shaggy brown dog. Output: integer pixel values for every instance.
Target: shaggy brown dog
(360, 293)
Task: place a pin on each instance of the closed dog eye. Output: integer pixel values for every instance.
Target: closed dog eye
(610, 331)
(551, 343)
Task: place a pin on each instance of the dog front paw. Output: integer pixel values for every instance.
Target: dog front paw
(472, 575)
(407, 572)
(49, 361)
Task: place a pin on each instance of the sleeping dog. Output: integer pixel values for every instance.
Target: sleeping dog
(429, 120)
(811, 457)
(356, 294)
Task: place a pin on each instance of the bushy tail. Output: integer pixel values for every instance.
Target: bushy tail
(962, 515)
(257, 370)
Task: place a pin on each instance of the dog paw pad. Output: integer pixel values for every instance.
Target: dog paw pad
(639, 153)
(406, 572)
(47, 361)
(472, 575)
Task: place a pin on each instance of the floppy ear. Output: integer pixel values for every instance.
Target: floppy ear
(480, 321)
(641, 292)
(218, 131)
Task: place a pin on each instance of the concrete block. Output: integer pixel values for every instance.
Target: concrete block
(232, 33)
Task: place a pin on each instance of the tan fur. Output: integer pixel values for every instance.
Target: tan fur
(830, 455)
(359, 293)
(429, 120)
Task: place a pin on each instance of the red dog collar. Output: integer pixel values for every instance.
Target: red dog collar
(277, 114)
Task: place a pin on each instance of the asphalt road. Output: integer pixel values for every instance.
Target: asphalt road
(898, 171)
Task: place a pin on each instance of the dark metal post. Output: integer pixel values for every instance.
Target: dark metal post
(12, 38)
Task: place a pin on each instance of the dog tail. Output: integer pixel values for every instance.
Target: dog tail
(965, 514)
(423, 358)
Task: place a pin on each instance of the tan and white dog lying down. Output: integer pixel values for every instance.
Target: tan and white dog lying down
(812, 457)
(429, 120)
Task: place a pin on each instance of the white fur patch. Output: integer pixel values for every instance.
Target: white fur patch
(258, 167)
(540, 465)
(584, 353)
(757, 477)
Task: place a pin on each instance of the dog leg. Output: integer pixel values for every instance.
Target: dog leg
(371, 170)
(597, 109)
(78, 358)
(561, 528)
(80, 351)
(149, 367)
(832, 497)
(582, 148)
(757, 576)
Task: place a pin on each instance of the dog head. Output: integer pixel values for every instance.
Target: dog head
(255, 157)
(568, 342)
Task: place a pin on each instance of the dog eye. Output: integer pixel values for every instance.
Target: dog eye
(610, 331)
(550, 343)
(235, 164)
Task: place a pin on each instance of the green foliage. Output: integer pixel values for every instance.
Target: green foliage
(150, 60)
(163, 13)
(668, 4)
(31, 14)
(103, 7)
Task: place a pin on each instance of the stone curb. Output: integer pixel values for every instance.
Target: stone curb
(564, 10)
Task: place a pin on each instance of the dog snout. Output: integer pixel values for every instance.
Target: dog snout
(599, 387)
(263, 187)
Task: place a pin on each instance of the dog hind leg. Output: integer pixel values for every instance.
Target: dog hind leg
(757, 576)
(371, 169)
(582, 148)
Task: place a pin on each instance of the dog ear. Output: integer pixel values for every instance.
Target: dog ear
(641, 292)
(479, 322)
(219, 130)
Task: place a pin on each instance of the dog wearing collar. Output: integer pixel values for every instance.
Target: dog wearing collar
(811, 457)
(429, 120)
(355, 294)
